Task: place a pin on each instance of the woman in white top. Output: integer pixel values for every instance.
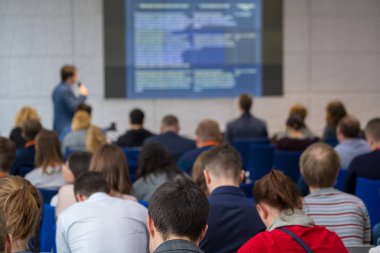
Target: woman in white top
(49, 160)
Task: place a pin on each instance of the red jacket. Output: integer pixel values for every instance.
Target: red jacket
(319, 240)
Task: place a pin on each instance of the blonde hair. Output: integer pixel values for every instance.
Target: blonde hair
(208, 130)
(81, 121)
(24, 114)
(300, 110)
(95, 138)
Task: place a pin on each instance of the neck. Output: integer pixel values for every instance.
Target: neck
(295, 133)
(208, 143)
(314, 189)
(375, 146)
(136, 126)
(19, 245)
(156, 242)
(222, 182)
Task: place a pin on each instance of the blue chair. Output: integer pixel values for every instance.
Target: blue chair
(22, 171)
(341, 179)
(242, 145)
(144, 203)
(248, 189)
(368, 190)
(47, 230)
(288, 162)
(332, 141)
(260, 160)
(132, 155)
(47, 194)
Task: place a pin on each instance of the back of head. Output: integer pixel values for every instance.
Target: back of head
(3, 233)
(278, 191)
(48, 150)
(223, 162)
(95, 138)
(335, 112)
(349, 126)
(245, 102)
(81, 121)
(136, 117)
(179, 208)
(90, 182)
(372, 130)
(79, 162)
(7, 154)
(67, 71)
(170, 122)
(295, 122)
(197, 174)
(320, 165)
(300, 110)
(208, 130)
(30, 129)
(84, 107)
(21, 204)
(111, 162)
(24, 114)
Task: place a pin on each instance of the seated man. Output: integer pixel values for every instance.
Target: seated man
(25, 156)
(366, 165)
(7, 155)
(339, 212)
(246, 126)
(175, 144)
(208, 135)
(99, 222)
(177, 219)
(350, 145)
(136, 136)
(233, 219)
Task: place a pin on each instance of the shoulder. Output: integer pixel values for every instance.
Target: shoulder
(256, 244)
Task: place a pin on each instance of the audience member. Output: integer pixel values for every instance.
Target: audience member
(25, 157)
(335, 111)
(7, 156)
(76, 164)
(340, 212)
(76, 139)
(5, 238)
(49, 160)
(197, 174)
(136, 136)
(288, 228)
(246, 126)
(80, 108)
(99, 222)
(208, 135)
(21, 204)
(366, 165)
(350, 145)
(175, 144)
(232, 219)
(111, 162)
(295, 139)
(64, 100)
(95, 138)
(177, 219)
(301, 111)
(155, 167)
(24, 114)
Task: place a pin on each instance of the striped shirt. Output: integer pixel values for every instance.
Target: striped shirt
(340, 212)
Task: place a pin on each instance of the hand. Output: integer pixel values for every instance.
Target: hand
(83, 91)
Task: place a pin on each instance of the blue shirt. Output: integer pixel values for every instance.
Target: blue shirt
(24, 159)
(187, 160)
(351, 148)
(232, 221)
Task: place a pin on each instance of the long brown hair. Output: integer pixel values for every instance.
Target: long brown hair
(48, 150)
(111, 161)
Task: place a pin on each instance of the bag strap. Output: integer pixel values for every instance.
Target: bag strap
(299, 240)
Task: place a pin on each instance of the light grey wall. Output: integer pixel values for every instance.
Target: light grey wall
(332, 50)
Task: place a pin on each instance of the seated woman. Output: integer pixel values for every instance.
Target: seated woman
(49, 161)
(76, 164)
(197, 174)
(295, 139)
(76, 139)
(288, 228)
(335, 111)
(111, 162)
(95, 139)
(21, 205)
(155, 167)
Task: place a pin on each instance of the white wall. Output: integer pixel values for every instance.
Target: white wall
(332, 50)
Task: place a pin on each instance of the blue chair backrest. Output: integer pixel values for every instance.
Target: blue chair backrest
(288, 162)
(368, 190)
(132, 155)
(341, 179)
(144, 203)
(22, 171)
(47, 194)
(47, 230)
(242, 145)
(332, 141)
(248, 189)
(260, 160)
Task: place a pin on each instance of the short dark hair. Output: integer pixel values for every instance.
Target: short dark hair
(373, 129)
(223, 161)
(349, 126)
(91, 182)
(245, 102)
(7, 154)
(179, 208)
(67, 71)
(84, 107)
(170, 120)
(136, 116)
(79, 162)
(295, 122)
(31, 129)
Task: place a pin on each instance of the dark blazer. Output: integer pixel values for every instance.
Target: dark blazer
(65, 102)
(24, 158)
(175, 144)
(187, 160)
(232, 221)
(16, 137)
(178, 246)
(134, 138)
(246, 126)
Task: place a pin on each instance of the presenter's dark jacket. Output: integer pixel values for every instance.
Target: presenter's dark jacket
(65, 102)
(175, 144)
(232, 221)
(134, 138)
(24, 159)
(246, 126)
(178, 246)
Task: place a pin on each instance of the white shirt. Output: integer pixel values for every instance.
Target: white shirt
(103, 224)
(51, 179)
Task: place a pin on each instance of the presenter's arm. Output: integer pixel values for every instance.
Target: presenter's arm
(71, 101)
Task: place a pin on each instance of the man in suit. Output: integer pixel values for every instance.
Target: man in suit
(177, 217)
(246, 126)
(175, 144)
(64, 100)
(232, 219)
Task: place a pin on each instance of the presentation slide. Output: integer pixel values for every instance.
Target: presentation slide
(193, 48)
